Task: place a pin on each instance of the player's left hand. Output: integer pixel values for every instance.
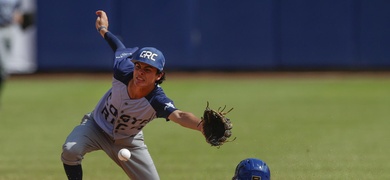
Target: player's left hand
(216, 127)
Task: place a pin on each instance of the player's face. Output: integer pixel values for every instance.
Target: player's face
(145, 74)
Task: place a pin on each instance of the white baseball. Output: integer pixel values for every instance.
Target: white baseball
(124, 154)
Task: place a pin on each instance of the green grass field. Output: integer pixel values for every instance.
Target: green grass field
(305, 128)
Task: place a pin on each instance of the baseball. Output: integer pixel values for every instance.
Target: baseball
(124, 154)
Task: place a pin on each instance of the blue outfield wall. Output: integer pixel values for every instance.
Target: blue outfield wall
(220, 35)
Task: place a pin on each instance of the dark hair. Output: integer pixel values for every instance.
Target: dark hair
(162, 79)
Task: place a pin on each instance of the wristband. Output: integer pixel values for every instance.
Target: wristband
(101, 27)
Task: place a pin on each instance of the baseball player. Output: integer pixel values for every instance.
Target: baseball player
(134, 100)
(252, 169)
(10, 16)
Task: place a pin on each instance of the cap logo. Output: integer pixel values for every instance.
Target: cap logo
(149, 55)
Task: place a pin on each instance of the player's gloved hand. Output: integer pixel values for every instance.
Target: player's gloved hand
(216, 126)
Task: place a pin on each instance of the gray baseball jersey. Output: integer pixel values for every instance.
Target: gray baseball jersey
(119, 115)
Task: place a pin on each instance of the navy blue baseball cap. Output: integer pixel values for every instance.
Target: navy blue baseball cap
(151, 56)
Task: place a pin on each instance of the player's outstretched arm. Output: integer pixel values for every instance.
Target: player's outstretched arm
(102, 27)
(186, 119)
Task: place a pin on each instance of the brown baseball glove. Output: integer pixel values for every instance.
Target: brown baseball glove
(216, 127)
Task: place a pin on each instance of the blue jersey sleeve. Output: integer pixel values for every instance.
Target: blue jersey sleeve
(161, 103)
(113, 41)
(123, 66)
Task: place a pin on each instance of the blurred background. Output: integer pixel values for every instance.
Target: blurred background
(230, 35)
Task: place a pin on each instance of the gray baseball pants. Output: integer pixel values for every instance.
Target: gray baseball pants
(88, 137)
